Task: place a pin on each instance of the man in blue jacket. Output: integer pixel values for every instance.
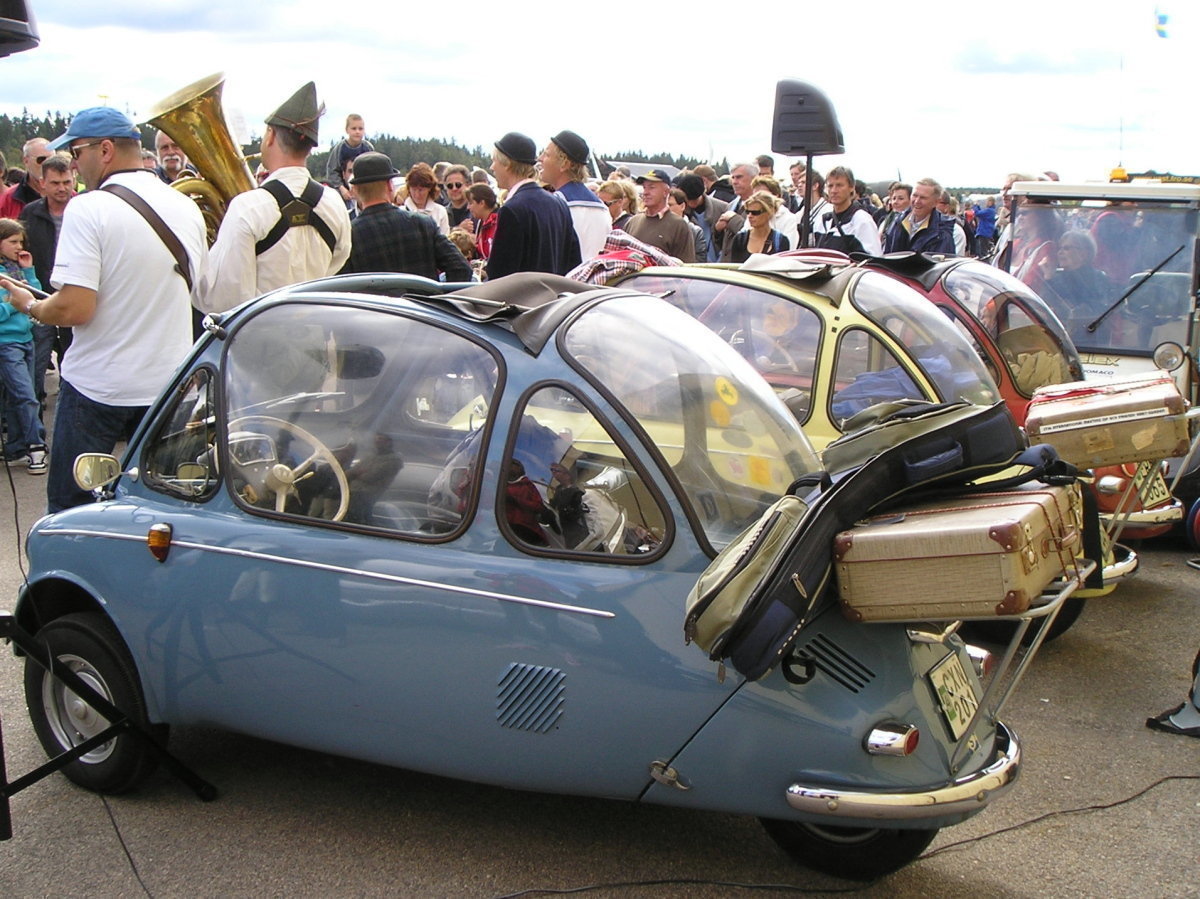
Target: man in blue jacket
(922, 229)
(534, 231)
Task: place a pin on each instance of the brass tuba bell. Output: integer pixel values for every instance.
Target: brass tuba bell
(194, 119)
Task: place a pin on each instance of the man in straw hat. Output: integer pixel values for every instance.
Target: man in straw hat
(291, 228)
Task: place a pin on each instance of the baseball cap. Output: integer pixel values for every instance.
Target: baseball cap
(654, 175)
(97, 122)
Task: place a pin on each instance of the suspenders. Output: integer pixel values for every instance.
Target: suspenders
(295, 212)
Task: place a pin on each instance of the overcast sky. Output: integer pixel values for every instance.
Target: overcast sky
(961, 91)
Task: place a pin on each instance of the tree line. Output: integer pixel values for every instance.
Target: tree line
(403, 151)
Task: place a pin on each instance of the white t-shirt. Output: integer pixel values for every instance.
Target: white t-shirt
(300, 255)
(142, 328)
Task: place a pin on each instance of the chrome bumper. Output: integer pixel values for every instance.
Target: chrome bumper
(1124, 564)
(1168, 514)
(965, 796)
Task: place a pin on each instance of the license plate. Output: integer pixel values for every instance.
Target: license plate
(955, 694)
(1156, 492)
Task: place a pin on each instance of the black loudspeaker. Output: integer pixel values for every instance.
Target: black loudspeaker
(804, 123)
(18, 30)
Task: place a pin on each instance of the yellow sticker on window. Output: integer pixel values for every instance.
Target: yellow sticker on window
(760, 470)
(720, 414)
(726, 392)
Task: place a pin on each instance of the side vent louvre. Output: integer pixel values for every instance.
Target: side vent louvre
(530, 697)
(837, 663)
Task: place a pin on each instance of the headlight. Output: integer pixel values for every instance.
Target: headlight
(1169, 356)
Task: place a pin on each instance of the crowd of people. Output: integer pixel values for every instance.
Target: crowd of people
(131, 271)
(130, 266)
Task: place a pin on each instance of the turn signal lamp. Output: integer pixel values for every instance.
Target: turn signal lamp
(892, 738)
(158, 538)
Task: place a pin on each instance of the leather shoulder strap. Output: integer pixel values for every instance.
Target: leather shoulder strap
(165, 234)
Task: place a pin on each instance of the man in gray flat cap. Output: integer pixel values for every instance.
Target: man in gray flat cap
(291, 228)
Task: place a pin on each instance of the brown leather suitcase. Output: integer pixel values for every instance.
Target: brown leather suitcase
(1098, 423)
(977, 556)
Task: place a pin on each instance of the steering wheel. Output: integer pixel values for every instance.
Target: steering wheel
(280, 479)
(775, 351)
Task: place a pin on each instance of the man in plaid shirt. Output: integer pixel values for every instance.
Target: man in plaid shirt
(386, 238)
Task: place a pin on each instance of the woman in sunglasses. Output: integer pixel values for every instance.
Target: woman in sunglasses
(760, 237)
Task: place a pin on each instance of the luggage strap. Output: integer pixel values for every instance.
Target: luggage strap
(295, 212)
(154, 220)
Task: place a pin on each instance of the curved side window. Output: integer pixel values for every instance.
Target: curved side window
(181, 459)
(570, 487)
(866, 373)
(358, 416)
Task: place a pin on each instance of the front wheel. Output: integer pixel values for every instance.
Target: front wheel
(852, 853)
(89, 644)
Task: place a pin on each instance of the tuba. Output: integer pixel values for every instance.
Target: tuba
(193, 118)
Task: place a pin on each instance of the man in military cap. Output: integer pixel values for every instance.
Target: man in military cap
(564, 167)
(291, 228)
(388, 238)
(534, 232)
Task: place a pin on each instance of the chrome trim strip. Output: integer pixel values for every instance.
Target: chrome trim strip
(339, 569)
(966, 795)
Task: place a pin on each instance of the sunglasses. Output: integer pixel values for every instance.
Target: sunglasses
(756, 212)
(455, 185)
(610, 202)
(75, 149)
(40, 159)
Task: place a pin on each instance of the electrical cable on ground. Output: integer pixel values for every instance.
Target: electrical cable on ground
(783, 887)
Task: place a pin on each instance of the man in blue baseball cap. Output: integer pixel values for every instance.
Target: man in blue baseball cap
(132, 255)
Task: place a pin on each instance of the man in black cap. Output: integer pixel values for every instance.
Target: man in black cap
(290, 229)
(564, 167)
(387, 238)
(657, 225)
(703, 210)
(534, 232)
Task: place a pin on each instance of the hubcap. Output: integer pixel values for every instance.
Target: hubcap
(70, 718)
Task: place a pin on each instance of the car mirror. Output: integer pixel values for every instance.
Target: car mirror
(93, 470)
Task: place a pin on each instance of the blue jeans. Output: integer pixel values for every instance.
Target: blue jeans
(43, 343)
(82, 425)
(20, 403)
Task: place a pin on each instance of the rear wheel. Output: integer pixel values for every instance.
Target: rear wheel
(1192, 526)
(852, 853)
(91, 647)
(1002, 631)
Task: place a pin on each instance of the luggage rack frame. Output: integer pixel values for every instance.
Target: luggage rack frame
(1000, 686)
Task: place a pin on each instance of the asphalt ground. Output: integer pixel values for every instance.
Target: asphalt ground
(1104, 806)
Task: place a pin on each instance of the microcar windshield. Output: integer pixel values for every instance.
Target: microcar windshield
(933, 343)
(718, 426)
